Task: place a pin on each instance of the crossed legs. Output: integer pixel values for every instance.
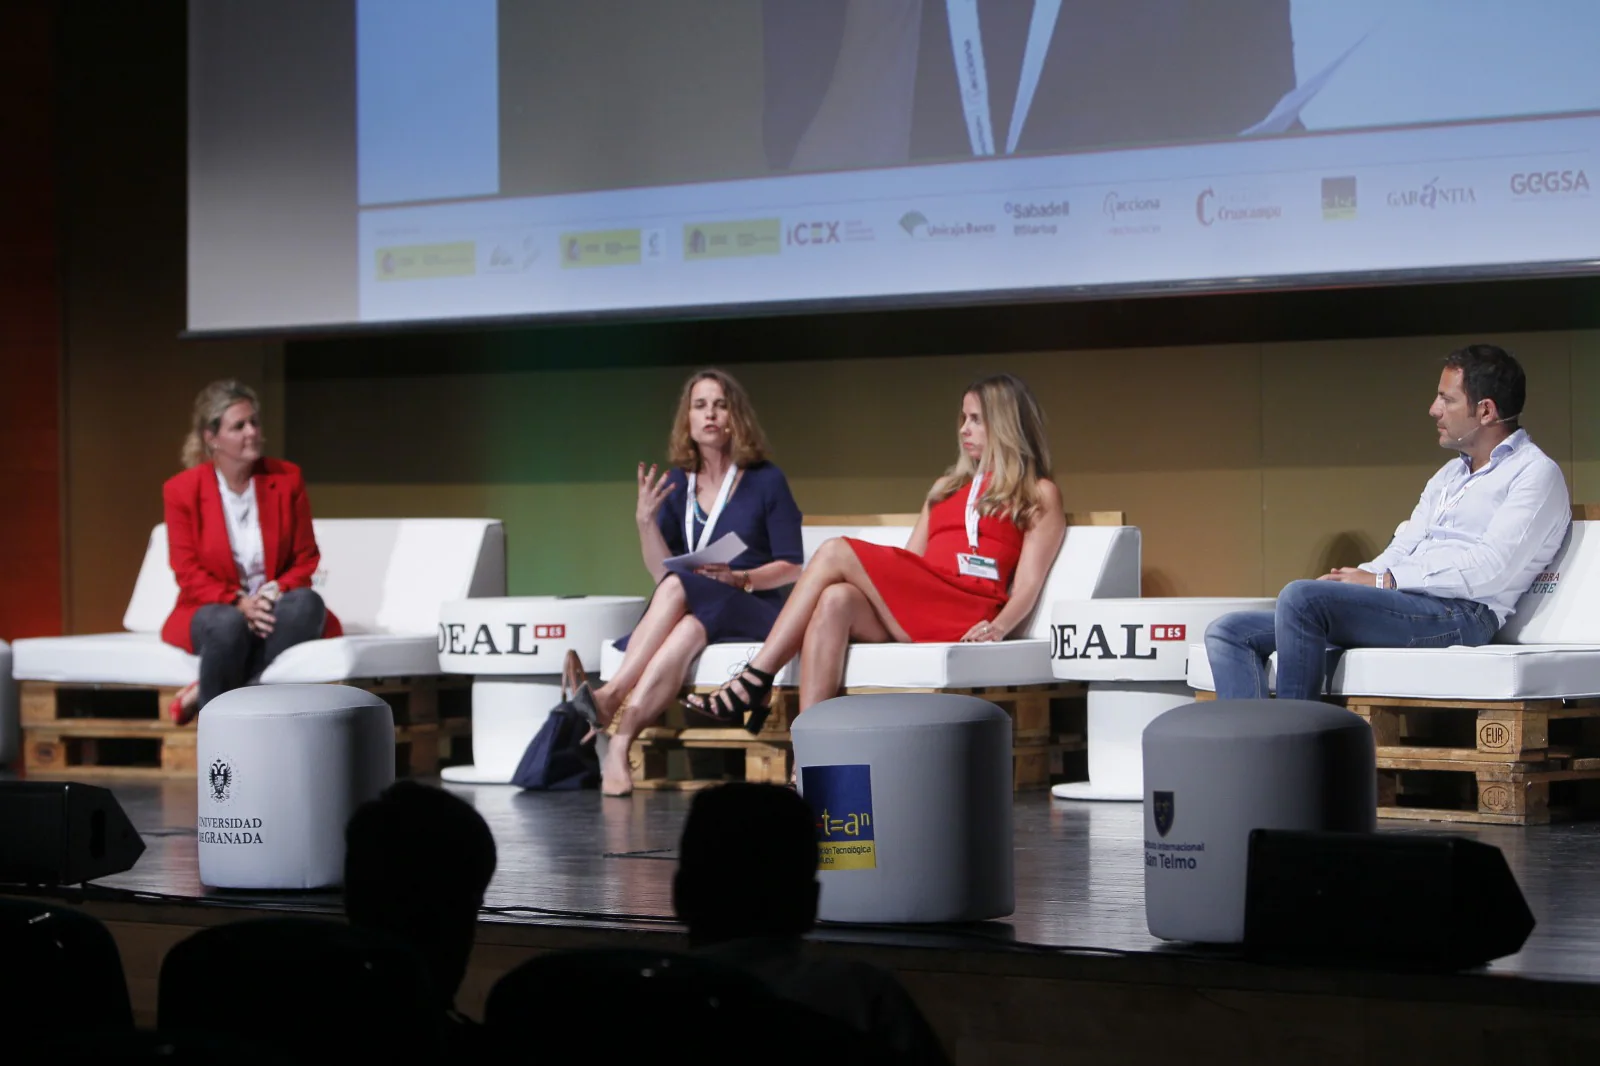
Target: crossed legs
(668, 606)
(833, 603)
(663, 644)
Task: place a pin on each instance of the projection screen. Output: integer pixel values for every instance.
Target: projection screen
(386, 161)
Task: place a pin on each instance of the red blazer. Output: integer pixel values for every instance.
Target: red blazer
(202, 557)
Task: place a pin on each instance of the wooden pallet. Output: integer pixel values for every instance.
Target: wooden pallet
(1451, 790)
(1508, 762)
(1047, 724)
(92, 731)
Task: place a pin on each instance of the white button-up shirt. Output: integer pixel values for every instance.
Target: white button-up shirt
(244, 534)
(1483, 535)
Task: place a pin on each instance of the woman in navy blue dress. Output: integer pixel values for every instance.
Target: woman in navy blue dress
(719, 482)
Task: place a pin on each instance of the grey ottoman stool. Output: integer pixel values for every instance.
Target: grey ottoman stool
(281, 770)
(913, 801)
(1215, 771)
(10, 726)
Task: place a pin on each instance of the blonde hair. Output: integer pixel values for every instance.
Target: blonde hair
(749, 443)
(209, 407)
(1016, 455)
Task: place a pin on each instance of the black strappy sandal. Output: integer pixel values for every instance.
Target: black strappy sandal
(727, 706)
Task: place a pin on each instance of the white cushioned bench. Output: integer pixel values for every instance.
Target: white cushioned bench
(385, 579)
(1502, 734)
(1548, 649)
(1099, 558)
(1095, 562)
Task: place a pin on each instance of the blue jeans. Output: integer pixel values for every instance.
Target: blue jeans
(1314, 616)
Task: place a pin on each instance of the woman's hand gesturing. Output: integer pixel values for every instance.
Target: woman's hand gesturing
(653, 491)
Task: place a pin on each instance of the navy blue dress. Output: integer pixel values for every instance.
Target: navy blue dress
(763, 512)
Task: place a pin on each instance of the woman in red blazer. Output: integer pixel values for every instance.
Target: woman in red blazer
(239, 535)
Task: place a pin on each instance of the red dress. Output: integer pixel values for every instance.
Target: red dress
(928, 594)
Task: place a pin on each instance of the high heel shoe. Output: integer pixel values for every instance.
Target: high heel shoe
(179, 710)
(728, 706)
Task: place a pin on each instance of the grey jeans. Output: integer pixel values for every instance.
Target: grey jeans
(231, 656)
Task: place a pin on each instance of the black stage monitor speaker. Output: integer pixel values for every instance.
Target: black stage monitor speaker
(1391, 900)
(63, 833)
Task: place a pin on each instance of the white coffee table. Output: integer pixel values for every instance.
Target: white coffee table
(513, 646)
(1134, 655)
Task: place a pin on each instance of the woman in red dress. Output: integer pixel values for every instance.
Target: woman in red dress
(989, 530)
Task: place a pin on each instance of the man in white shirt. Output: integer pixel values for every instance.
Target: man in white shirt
(1487, 524)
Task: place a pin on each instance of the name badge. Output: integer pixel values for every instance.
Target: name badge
(978, 566)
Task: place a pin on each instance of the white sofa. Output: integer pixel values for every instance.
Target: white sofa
(384, 577)
(1548, 649)
(1094, 562)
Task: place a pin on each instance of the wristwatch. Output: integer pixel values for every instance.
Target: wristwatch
(749, 584)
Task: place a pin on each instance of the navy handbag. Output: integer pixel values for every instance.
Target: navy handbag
(561, 756)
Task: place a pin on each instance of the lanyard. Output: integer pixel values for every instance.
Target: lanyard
(972, 511)
(711, 519)
(1448, 502)
(972, 75)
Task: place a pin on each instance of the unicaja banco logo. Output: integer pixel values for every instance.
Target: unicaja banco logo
(916, 224)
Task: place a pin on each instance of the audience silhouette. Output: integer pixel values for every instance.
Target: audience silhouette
(747, 888)
(417, 863)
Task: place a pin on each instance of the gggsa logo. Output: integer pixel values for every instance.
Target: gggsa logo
(1541, 182)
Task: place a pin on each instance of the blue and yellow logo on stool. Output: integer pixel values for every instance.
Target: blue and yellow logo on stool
(841, 798)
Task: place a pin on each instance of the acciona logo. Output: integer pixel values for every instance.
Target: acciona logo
(1131, 214)
(1550, 182)
(1116, 205)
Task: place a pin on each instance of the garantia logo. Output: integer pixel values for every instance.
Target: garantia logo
(1432, 195)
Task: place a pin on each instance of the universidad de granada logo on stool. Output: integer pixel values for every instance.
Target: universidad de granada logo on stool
(841, 798)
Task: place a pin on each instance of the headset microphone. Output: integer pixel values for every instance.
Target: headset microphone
(1461, 441)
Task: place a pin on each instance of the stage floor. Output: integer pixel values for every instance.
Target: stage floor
(577, 858)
